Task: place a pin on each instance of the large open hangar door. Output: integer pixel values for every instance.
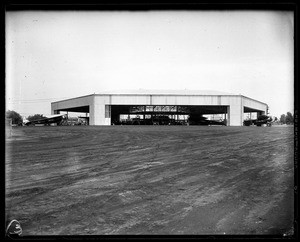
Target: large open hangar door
(208, 115)
(83, 112)
(251, 113)
(168, 115)
(149, 114)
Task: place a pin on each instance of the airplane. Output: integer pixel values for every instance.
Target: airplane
(57, 118)
(262, 119)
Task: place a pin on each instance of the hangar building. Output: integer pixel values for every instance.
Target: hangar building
(110, 108)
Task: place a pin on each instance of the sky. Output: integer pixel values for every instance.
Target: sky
(55, 55)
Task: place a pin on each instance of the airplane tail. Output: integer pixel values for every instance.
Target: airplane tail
(25, 121)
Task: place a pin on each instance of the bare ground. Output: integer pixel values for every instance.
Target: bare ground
(171, 180)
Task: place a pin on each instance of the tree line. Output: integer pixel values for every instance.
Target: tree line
(287, 119)
(18, 119)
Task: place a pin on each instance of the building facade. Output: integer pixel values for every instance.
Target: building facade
(106, 108)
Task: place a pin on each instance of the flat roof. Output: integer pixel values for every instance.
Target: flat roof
(163, 92)
(142, 92)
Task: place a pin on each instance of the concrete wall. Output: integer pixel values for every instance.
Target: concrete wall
(97, 113)
(97, 104)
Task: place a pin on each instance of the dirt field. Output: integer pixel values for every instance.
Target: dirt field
(171, 180)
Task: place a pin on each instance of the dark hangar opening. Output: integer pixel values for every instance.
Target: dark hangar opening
(167, 115)
(82, 109)
(85, 110)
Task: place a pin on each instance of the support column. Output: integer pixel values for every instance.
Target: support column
(97, 115)
(227, 116)
(235, 115)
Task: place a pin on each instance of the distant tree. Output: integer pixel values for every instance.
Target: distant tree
(289, 118)
(35, 117)
(16, 117)
(282, 119)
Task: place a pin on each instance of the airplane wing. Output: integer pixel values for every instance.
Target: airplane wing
(48, 120)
